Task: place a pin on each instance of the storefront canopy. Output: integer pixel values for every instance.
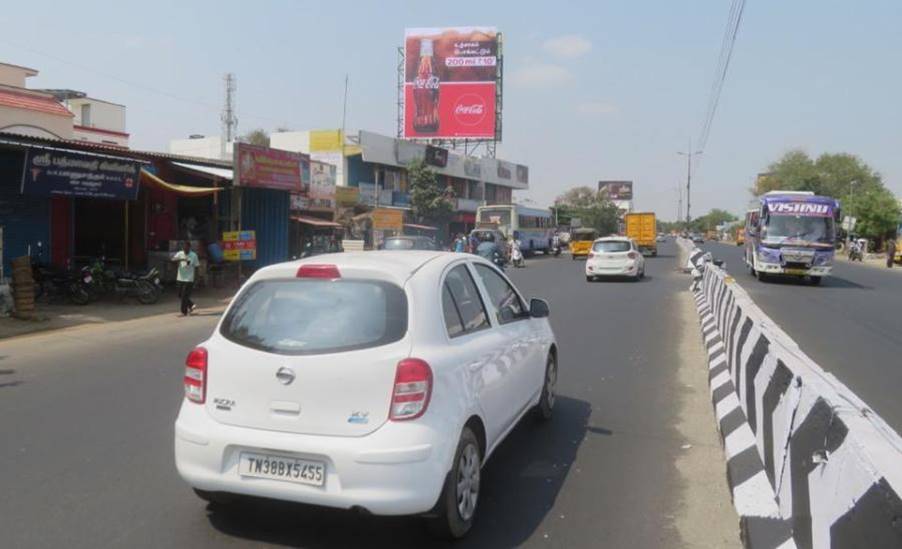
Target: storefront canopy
(314, 221)
(223, 173)
(148, 178)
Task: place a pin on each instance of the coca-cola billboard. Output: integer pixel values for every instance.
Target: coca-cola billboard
(450, 77)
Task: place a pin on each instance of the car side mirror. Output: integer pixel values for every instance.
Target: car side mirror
(538, 308)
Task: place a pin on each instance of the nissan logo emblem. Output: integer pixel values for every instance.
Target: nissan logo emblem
(285, 375)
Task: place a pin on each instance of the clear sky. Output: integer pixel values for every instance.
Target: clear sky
(593, 90)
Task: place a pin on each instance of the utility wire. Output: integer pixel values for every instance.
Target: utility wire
(728, 43)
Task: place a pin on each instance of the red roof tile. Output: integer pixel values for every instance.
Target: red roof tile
(33, 102)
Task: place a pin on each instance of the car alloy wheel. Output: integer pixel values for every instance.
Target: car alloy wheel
(545, 408)
(468, 481)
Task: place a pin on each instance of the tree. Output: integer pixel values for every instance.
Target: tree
(711, 220)
(592, 208)
(257, 137)
(428, 201)
(877, 212)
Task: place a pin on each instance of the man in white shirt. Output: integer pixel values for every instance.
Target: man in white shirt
(188, 262)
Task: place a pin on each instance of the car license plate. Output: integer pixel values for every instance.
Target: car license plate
(796, 271)
(301, 471)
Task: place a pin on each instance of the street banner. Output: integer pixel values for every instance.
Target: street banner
(388, 219)
(239, 245)
(322, 185)
(346, 196)
(64, 173)
(450, 78)
(268, 168)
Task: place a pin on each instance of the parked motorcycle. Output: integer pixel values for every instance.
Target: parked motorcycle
(56, 283)
(146, 288)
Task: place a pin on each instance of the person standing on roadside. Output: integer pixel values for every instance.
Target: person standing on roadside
(188, 262)
(460, 244)
(890, 252)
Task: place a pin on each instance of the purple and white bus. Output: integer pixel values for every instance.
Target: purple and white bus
(791, 233)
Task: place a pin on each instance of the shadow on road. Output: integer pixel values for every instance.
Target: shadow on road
(520, 484)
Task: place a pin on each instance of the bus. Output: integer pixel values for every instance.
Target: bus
(791, 233)
(533, 227)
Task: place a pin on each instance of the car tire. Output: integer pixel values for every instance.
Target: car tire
(590, 279)
(762, 277)
(215, 498)
(544, 410)
(455, 516)
(815, 280)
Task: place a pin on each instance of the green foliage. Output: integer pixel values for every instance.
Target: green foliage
(711, 220)
(877, 212)
(428, 201)
(257, 137)
(592, 208)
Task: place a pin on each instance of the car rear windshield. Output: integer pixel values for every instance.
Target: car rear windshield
(611, 246)
(298, 317)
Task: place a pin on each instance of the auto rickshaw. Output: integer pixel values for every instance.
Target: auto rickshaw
(581, 242)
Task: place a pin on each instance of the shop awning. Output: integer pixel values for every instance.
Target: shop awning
(315, 221)
(420, 227)
(223, 173)
(148, 178)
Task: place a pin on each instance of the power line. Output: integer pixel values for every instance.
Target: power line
(728, 43)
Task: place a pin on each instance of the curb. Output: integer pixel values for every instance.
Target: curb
(755, 501)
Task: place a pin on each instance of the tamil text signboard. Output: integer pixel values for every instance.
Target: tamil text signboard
(239, 245)
(65, 173)
(268, 168)
(388, 219)
(450, 79)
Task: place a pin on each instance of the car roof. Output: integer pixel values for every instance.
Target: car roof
(392, 265)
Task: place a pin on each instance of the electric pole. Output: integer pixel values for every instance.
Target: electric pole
(689, 154)
(679, 202)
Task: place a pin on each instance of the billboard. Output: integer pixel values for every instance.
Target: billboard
(450, 76)
(322, 185)
(239, 245)
(268, 168)
(617, 190)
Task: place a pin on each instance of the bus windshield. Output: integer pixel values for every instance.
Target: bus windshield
(799, 227)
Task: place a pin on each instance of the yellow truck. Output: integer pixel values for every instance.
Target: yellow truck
(643, 229)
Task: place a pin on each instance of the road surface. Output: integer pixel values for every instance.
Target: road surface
(631, 458)
(850, 324)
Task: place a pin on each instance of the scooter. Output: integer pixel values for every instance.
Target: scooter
(855, 252)
(498, 260)
(517, 257)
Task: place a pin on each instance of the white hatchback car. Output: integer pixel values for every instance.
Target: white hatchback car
(614, 256)
(380, 381)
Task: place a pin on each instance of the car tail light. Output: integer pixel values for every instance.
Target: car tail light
(412, 389)
(632, 255)
(318, 271)
(196, 375)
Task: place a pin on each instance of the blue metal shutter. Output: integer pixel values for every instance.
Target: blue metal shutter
(266, 212)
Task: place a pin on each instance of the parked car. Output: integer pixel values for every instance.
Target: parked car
(379, 381)
(614, 256)
(409, 243)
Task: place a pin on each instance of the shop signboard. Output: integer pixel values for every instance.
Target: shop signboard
(239, 245)
(450, 79)
(388, 219)
(65, 173)
(346, 197)
(299, 202)
(267, 168)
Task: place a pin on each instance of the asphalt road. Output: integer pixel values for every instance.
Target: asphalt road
(850, 324)
(87, 421)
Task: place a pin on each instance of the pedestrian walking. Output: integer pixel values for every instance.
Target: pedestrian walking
(188, 262)
(890, 252)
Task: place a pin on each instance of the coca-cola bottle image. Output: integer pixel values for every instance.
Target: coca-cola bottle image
(425, 92)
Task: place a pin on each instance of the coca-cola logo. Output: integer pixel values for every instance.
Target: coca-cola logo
(431, 83)
(470, 109)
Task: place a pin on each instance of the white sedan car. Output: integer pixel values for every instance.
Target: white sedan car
(614, 256)
(380, 381)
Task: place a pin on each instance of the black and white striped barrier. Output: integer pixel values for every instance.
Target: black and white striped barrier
(809, 464)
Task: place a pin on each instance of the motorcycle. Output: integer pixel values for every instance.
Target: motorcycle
(146, 287)
(517, 257)
(855, 252)
(59, 283)
(498, 260)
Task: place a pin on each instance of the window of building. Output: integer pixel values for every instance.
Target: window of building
(86, 115)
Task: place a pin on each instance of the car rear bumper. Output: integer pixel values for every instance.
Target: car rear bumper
(398, 469)
(596, 269)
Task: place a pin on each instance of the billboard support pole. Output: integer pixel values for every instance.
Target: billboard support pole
(400, 93)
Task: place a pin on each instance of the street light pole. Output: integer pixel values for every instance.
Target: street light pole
(689, 154)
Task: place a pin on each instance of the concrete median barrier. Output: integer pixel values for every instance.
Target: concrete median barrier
(810, 465)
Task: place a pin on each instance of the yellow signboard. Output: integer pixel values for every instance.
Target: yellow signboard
(387, 219)
(325, 140)
(239, 245)
(346, 196)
